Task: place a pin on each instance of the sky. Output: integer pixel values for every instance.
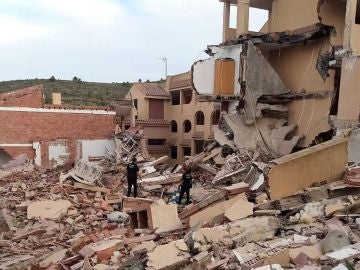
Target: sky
(107, 40)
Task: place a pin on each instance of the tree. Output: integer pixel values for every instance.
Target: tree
(52, 79)
(147, 80)
(76, 79)
(139, 80)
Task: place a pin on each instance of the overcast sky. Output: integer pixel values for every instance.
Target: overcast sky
(107, 40)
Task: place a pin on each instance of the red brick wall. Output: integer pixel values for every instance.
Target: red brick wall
(28, 127)
(16, 151)
(27, 97)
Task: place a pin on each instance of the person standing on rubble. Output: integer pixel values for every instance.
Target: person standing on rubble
(132, 174)
(186, 184)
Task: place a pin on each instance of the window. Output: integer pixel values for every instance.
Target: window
(199, 118)
(199, 146)
(187, 151)
(357, 16)
(156, 109)
(187, 126)
(215, 117)
(136, 103)
(175, 97)
(173, 153)
(187, 96)
(173, 126)
(156, 141)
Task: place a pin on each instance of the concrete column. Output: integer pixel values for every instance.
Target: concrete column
(226, 19)
(242, 17)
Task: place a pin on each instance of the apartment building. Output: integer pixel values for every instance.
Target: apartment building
(175, 122)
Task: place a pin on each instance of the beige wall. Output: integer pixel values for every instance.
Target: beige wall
(143, 104)
(297, 68)
(349, 100)
(291, 15)
(323, 162)
(333, 13)
(352, 30)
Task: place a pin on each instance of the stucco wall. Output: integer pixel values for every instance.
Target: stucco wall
(297, 68)
(349, 99)
(324, 162)
(291, 15)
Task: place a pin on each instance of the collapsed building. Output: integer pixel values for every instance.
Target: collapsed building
(292, 84)
(276, 180)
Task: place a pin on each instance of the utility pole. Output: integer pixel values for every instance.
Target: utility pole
(164, 59)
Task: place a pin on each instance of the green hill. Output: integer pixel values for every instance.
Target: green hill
(75, 93)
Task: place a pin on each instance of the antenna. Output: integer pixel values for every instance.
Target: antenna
(165, 60)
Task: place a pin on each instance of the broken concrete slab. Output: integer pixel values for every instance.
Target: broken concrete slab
(168, 255)
(53, 258)
(312, 252)
(48, 209)
(212, 235)
(214, 211)
(323, 162)
(240, 209)
(343, 254)
(92, 188)
(237, 188)
(164, 217)
(334, 240)
(147, 246)
(217, 196)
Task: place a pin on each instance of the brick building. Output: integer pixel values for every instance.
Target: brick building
(51, 135)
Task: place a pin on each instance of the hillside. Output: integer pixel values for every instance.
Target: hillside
(75, 93)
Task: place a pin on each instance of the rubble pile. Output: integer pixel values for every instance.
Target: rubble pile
(239, 218)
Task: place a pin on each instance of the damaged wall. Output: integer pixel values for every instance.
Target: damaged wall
(261, 79)
(297, 68)
(89, 149)
(203, 71)
(323, 162)
(27, 97)
(46, 125)
(333, 13)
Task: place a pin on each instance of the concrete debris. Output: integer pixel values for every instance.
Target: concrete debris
(48, 209)
(247, 209)
(168, 255)
(164, 217)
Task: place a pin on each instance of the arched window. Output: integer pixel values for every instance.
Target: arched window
(215, 117)
(199, 118)
(173, 126)
(187, 126)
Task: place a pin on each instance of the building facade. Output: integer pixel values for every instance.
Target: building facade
(176, 122)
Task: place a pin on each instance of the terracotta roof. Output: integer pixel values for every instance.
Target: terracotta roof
(179, 84)
(153, 90)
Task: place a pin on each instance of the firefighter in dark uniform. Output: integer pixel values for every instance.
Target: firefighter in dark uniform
(186, 184)
(132, 174)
